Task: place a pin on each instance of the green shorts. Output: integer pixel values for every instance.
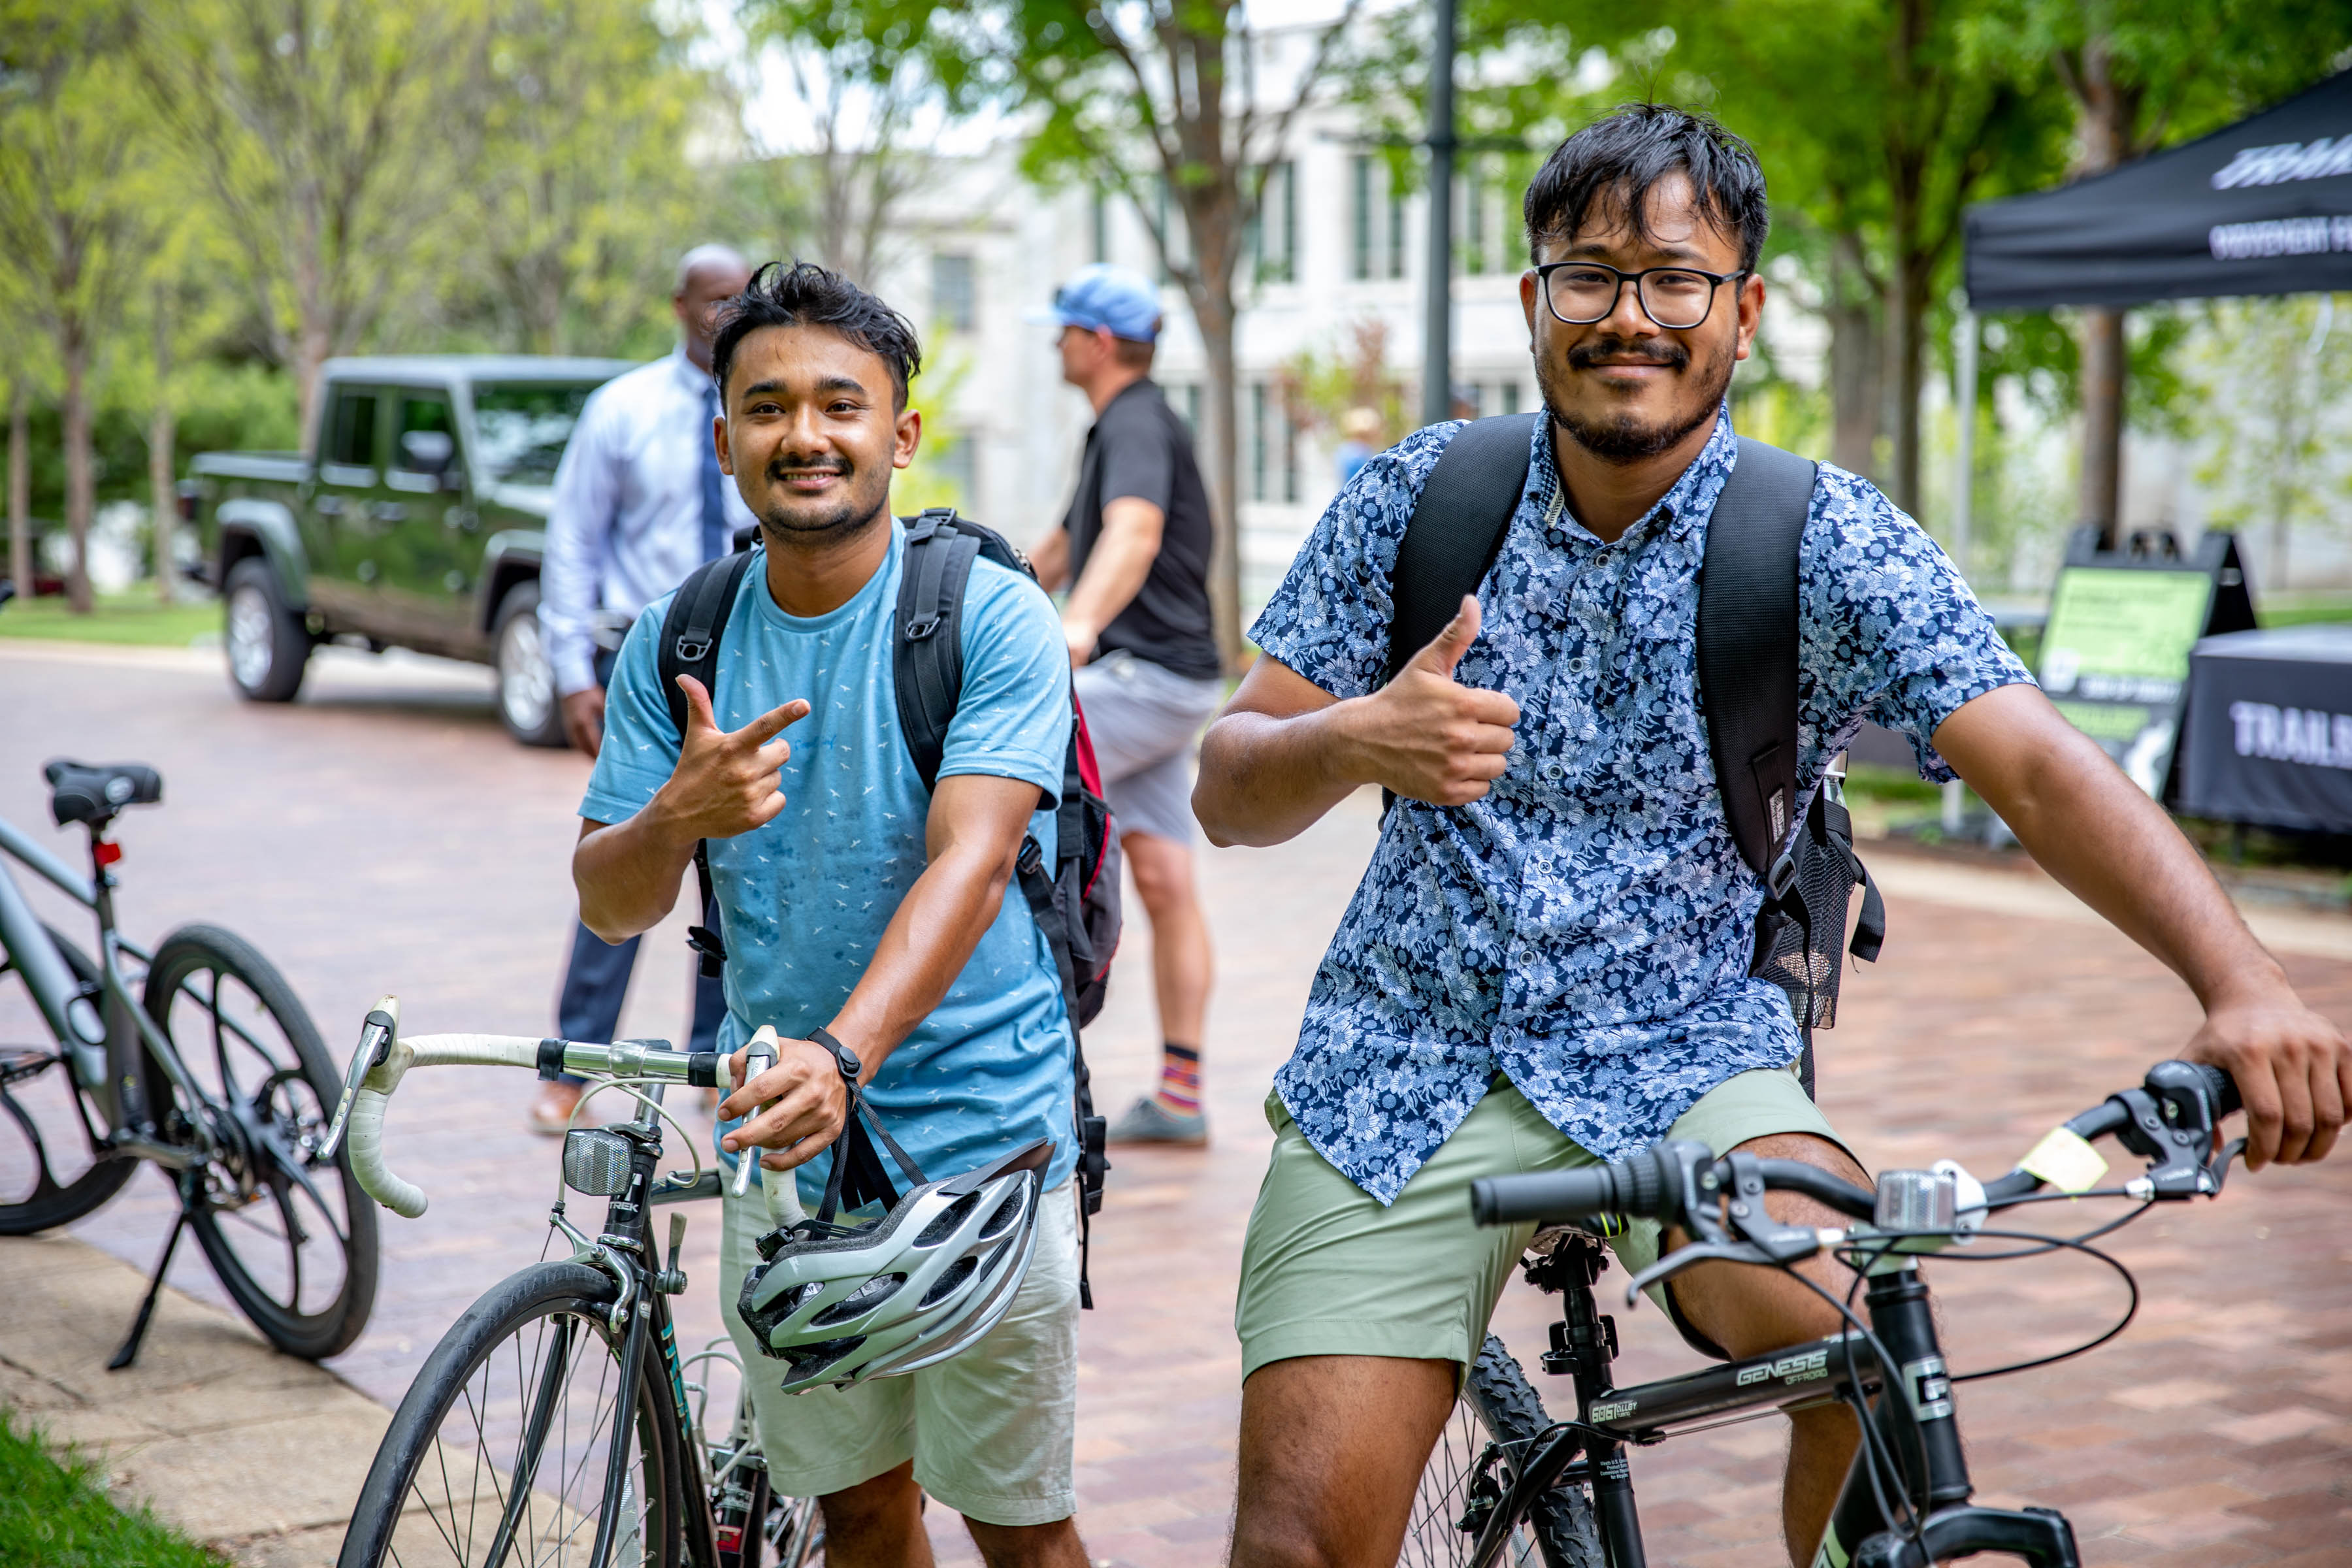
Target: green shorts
(1327, 1269)
(990, 1430)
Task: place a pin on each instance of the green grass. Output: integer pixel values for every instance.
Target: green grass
(133, 618)
(56, 1516)
(2305, 615)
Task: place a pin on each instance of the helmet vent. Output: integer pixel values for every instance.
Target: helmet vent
(1007, 1214)
(954, 1215)
(866, 1297)
(947, 1284)
(807, 1361)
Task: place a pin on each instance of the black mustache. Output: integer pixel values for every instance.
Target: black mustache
(1588, 354)
(784, 466)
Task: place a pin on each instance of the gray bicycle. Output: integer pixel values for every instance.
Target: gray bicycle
(212, 1071)
(556, 1423)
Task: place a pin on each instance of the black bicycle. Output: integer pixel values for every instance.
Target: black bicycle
(1508, 1484)
(213, 1072)
(557, 1423)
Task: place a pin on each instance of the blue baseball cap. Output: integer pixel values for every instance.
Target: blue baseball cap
(1108, 297)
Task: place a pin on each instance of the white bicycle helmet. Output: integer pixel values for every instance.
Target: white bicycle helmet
(928, 1279)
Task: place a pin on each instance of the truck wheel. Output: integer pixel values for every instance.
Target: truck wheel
(527, 703)
(267, 646)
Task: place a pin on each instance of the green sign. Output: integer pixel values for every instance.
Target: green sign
(2114, 658)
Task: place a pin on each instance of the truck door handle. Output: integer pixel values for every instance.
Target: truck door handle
(387, 511)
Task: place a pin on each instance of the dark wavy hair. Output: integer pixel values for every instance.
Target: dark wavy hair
(807, 295)
(1618, 157)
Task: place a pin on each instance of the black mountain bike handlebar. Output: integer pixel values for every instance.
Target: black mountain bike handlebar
(1649, 1185)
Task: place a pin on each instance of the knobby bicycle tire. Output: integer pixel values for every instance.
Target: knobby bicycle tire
(242, 1220)
(429, 1497)
(1499, 1407)
(50, 1202)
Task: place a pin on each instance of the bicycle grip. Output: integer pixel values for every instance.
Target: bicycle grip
(1639, 1188)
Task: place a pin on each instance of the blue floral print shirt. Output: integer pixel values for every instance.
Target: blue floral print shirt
(1585, 928)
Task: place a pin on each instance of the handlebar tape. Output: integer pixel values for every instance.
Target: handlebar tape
(1641, 1187)
(365, 1141)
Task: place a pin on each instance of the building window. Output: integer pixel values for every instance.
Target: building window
(1360, 252)
(1290, 454)
(951, 292)
(959, 466)
(1510, 397)
(1274, 230)
(1100, 219)
(1257, 448)
(1396, 233)
(1192, 401)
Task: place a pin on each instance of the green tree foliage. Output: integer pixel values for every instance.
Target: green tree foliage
(76, 200)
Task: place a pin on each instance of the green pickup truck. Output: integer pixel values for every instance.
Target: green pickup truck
(418, 524)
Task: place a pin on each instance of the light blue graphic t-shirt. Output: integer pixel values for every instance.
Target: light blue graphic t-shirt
(804, 899)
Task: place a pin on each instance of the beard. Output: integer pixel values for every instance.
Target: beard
(1623, 437)
(862, 504)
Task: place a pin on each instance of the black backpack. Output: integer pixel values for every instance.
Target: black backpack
(1076, 899)
(1746, 684)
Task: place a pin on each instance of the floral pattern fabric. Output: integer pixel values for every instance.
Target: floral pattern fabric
(1584, 929)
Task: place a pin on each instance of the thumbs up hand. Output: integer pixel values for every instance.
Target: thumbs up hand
(728, 781)
(1427, 736)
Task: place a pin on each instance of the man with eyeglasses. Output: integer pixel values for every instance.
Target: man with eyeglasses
(1547, 962)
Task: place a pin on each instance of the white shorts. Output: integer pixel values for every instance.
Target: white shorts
(1143, 720)
(991, 1431)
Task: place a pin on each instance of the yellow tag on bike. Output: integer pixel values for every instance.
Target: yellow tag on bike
(2066, 1161)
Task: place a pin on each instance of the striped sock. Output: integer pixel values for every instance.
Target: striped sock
(1179, 1079)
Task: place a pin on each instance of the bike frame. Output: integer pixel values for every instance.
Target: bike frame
(111, 1072)
(624, 1249)
(1917, 1427)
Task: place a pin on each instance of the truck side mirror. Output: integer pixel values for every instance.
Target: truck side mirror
(426, 451)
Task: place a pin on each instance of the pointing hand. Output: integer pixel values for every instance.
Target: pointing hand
(728, 782)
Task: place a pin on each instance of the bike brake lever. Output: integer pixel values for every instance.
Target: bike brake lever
(1675, 1262)
(377, 1031)
(2221, 1165)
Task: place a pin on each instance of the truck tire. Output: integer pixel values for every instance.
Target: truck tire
(268, 646)
(527, 701)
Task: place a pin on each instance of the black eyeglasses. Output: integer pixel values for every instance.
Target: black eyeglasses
(1579, 293)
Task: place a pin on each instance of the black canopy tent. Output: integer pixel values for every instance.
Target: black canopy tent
(2264, 207)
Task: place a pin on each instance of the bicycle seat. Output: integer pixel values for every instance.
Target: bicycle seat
(93, 793)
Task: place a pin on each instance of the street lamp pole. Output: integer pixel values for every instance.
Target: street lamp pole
(1437, 335)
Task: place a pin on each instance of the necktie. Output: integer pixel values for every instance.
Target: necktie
(714, 506)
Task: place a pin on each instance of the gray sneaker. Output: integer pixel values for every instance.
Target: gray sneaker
(1149, 1122)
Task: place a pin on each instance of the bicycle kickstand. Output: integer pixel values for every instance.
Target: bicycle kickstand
(130, 1351)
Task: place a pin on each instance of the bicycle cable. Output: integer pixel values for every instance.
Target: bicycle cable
(1909, 1523)
(626, 1085)
(2053, 1244)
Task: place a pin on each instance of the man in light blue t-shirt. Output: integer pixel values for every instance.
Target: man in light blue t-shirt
(853, 901)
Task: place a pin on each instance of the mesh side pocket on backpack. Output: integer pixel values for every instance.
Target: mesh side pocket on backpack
(1804, 938)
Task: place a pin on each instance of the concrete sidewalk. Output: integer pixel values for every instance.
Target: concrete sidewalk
(252, 1452)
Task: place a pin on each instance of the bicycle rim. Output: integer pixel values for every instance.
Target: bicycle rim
(291, 1236)
(51, 1169)
(1493, 1425)
(500, 1452)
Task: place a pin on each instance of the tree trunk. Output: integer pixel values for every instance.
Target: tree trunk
(1216, 326)
(1856, 360)
(20, 485)
(161, 435)
(80, 476)
(1907, 316)
(2106, 116)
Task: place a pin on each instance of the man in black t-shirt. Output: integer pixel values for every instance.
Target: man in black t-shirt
(1134, 549)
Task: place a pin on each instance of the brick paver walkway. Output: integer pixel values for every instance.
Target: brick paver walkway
(383, 834)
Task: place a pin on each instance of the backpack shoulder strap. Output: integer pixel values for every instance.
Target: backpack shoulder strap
(695, 621)
(1457, 528)
(1747, 645)
(690, 646)
(926, 669)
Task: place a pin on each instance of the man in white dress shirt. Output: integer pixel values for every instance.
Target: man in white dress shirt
(639, 503)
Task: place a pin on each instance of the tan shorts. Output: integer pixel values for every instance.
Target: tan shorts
(991, 1431)
(1328, 1270)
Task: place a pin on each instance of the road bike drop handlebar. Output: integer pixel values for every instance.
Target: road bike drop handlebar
(2170, 1120)
(383, 1057)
